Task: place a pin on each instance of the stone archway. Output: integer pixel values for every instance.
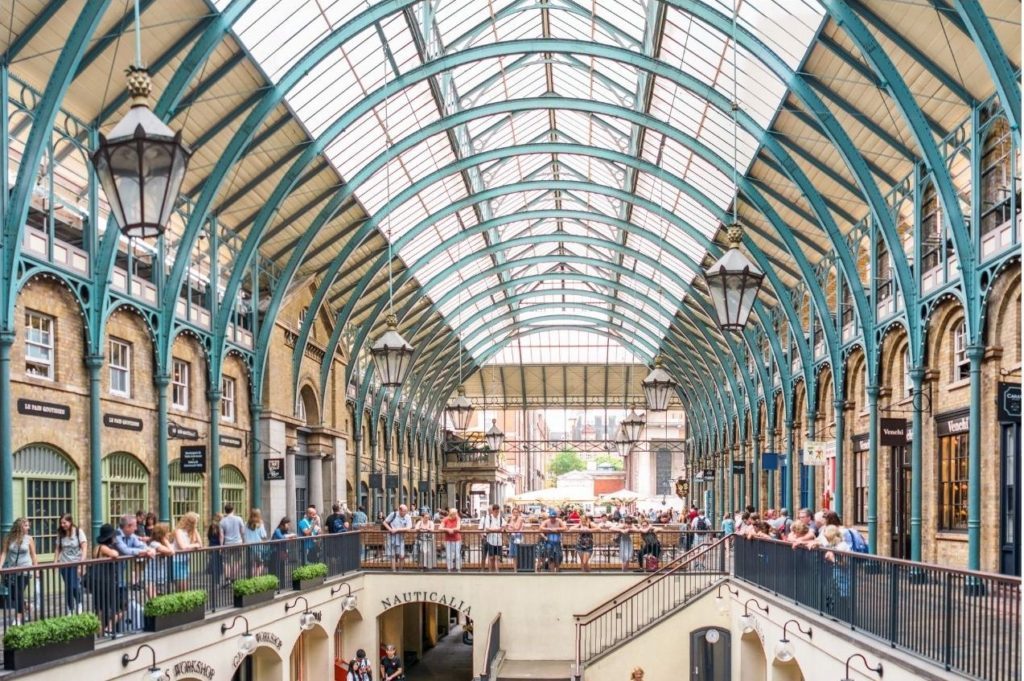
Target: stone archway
(753, 663)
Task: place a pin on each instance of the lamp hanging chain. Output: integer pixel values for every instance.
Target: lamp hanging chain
(735, 121)
(387, 183)
(138, 38)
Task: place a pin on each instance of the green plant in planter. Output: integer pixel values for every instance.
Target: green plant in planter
(255, 585)
(171, 604)
(311, 571)
(53, 630)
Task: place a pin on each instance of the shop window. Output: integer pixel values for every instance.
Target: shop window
(45, 482)
(860, 487)
(961, 365)
(38, 345)
(232, 490)
(180, 370)
(186, 492)
(125, 486)
(953, 482)
(120, 361)
(227, 399)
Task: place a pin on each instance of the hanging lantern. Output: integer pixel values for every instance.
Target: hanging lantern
(623, 445)
(459, 410)
(141, 165)
(658, 386)
(733, 282)
(633, 426)
(392, 356)
(495, 438)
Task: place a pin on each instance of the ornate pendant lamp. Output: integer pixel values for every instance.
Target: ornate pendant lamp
(494, 436)
(658, 386)
(623, 445)
(633, 426)
(733, 281)
(142, 163)
(459, 410)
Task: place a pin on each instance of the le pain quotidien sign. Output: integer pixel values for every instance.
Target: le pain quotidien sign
(426, 596)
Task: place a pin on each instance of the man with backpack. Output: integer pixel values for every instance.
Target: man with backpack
(337, 521)
(397, 524)
(700, 525)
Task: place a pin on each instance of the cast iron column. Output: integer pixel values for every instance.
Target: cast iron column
(872, 392)
(837, 492)
(788, 484)
(358, 469)
(916, 381)
(255, 474)
(163, 475)
(974, 354)
(213, 399)
(93, 365)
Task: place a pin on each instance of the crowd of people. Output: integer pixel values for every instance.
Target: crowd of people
(823, 528)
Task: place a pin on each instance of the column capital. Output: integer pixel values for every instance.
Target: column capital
(161, 380)
(917, 374)
(872, 391)
(213, 395)
(7, 337)
(975, 351)
(91, 361)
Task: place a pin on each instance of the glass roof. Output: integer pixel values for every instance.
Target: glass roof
(518, 260)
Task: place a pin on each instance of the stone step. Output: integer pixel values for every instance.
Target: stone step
(535, 670)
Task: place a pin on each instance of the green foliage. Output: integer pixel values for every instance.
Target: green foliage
(311, 571)
(255, 585)
(609, 459)
(171, 604)
(565, 461)
(53, 630)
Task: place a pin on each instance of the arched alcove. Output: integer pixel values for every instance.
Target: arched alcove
(787, 671)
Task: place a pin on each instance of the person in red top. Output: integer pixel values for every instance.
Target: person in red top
(452, 540)
(574, 517)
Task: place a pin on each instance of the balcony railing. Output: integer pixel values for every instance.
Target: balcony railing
(473, 459)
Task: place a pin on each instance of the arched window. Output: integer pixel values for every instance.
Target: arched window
(961, 365)
(930, 230)
(125, 486)
(45, 483)
(995, 178)
(908, 387)
(186, 491)
(232, 489)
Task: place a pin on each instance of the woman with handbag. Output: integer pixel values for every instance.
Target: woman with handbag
(108, 597)
(19, 551)
(426, 544)
(72, 547)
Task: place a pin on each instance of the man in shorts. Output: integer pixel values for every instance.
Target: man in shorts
(494, 525)
(397, 524)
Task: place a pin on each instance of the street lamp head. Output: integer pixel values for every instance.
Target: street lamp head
(633, 426)
(494, 436)
(460, 410)
(658, 386)
(733, 283)
(392, 355)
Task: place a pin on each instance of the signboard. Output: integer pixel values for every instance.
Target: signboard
(122, 422)
(229, 441)
(830, 449)
(739, 468)
(814, 453)
(47, 410)
(1008, 402)
(423, 487)
(860, 443)
(953, 423)
(193, 459)
(769, 461)
(392, 481)
(709, 474)
(892, 432)
(682, 488)
(174, 431)
(273, 469)
(376, 481)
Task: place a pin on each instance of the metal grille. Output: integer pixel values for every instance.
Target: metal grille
(232, 489)
(45, 502)
(126, 480)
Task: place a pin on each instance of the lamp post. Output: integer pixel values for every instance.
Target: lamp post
(658, 386)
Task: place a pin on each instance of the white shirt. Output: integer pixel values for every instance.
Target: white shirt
(491, 522)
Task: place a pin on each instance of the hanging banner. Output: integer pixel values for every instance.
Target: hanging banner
(814, 453)
(892, 432)
(1008, 402)
(273, 469)
(739, 468)
(830, 449)
(769, 461)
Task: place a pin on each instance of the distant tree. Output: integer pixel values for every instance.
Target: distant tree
(565, 461)
(611, 459)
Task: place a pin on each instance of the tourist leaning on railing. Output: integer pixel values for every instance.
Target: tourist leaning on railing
(186, 538)
(425, 553)
(109, 597)
(451, 526)
(157, 568)
(19, 551)
(254, 534)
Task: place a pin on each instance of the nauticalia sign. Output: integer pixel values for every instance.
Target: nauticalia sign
(429, 596)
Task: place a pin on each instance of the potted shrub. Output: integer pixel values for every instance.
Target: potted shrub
(309, 576)
(27, 645)
(255, 590)
(173, 610)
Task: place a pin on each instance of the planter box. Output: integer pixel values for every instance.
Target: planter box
(30, 657)
(303, 584)
(162, 622)
(254, 599)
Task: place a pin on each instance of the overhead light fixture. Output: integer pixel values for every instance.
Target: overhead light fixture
(494, 436)
(246, 642)
(460, 410)
(348, 601)
(392, 355)
(633, 426)
(877, 668)
(784, 648)
(154, 673)
(307, 619)
(658, 386)
(747, 618)
(721, 604)
(623, 445)
(142, 164)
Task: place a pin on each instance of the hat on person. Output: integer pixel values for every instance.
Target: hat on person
(552, 513)
(106, 534)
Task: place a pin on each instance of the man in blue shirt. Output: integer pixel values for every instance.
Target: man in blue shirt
(309, 526)
(127, 543)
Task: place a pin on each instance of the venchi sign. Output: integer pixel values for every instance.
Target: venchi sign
(428, 596)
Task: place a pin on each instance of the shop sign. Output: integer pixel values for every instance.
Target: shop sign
(174, 431)
(860, 443)
(47, 410)
(814, 453)
(194, 668)
(682, 488)
(122, 422)
(273, 469)
(392, 481)
(424, 487)
(709, 474)
(739, 468)
(376, 481)
(893, 432)
(1009, 402)
(428, 596)
(230, 441)
(269, 638)
(953, 424)
(193, 459)
(769, 461)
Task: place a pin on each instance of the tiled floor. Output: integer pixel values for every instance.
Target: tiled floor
(449, 660)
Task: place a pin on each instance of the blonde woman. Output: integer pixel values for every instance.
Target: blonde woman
(254, 534)
(19, 551)
(186, 538)
(451, 525)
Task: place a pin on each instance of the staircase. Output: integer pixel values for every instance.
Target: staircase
(649, 601)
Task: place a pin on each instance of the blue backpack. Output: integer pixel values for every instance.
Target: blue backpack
(856, 541)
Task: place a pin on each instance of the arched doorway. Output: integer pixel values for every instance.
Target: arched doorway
(711, 654)
(45, 486)
(262, 663)
(787, 671)
(433, 640)
(125, 486)
(753, 664)
(310, 657)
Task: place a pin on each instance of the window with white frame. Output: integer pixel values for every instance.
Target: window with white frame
(38, 345)
(961, 365)
(120, 361)
(227, 398)
(180, 384)
(908, 387)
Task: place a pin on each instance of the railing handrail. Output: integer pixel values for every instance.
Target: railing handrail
(1011, 579)
(492, 650)
(669, 569)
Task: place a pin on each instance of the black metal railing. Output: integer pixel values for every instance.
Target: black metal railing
(528, 551)
(646, 603)
(967, 622)
(117, 589)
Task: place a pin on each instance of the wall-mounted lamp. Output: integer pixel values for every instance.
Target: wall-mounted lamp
(348, 601)
(877, 669)
(246, 642)
(306, 619)
(720, 603)
(784, 649)
(746, 619)
(154, 673)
